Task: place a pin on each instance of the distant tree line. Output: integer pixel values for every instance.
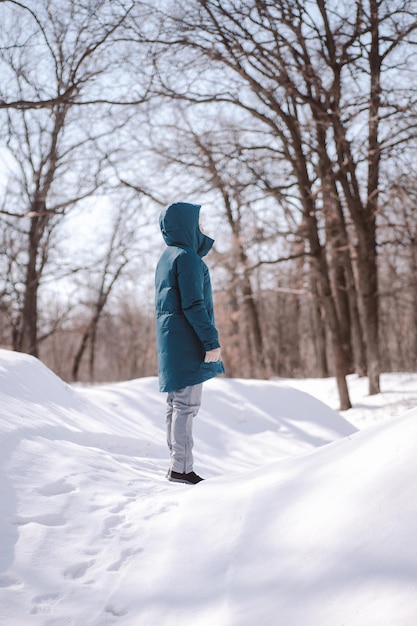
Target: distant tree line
(293, 122)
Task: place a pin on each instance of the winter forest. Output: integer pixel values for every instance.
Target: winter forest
(293, 124)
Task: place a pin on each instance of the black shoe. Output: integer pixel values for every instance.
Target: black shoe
(189, 479)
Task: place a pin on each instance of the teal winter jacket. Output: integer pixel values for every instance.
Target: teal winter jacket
(185, 327)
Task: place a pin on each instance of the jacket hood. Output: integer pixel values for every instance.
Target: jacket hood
(179, 224)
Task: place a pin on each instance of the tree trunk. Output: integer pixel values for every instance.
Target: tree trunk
(232, 349)
(319, 331)
(335, 248)
(88, 335)
(259, 361)
(364, 216)
(374, 155)
(320, 268)
(346, 296)
(27, 340)
(79, 354)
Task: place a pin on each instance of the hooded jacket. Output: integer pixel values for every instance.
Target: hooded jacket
(185, 327)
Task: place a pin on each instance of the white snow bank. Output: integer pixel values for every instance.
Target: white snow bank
(287, 530)
(267, 418)
(325, 539)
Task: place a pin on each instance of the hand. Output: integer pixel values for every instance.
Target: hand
(213, 355)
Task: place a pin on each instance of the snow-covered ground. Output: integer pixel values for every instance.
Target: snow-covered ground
(304, 520)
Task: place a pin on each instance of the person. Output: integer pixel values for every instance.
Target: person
(187, 339)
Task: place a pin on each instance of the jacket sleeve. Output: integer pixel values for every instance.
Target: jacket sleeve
(190, 274)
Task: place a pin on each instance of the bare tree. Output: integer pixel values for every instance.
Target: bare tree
(94, 17)
(398, 301)
(202, 154)
(57, 57)
(312, 74)
(106, 272)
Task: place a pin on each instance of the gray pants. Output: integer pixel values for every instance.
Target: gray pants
(182, 407)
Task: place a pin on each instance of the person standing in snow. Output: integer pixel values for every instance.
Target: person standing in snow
(187, 340)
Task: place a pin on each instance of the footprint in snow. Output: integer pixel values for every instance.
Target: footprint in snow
(112, 522)
(125, 556)
(131, 495)
(57, 488)
(128, 499)
(118, 507)
(9, 581)
(45, 602)
(116, 611)
(78, 570)
(164, 508)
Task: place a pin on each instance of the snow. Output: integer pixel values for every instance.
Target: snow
(307, 518)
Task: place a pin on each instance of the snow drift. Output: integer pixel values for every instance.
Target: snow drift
(303, 521)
